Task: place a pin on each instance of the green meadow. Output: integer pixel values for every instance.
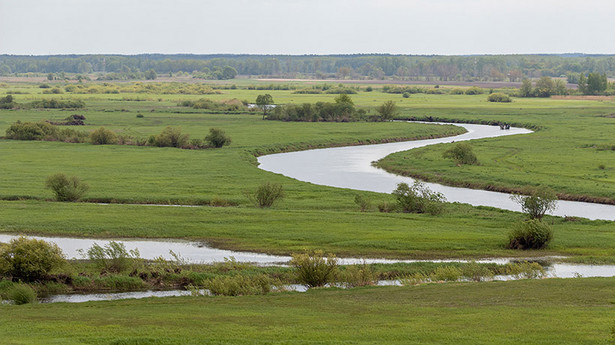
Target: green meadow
(559, 154)
(567, 153)
(549, 311)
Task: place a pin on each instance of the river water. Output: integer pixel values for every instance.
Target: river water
(351, 167)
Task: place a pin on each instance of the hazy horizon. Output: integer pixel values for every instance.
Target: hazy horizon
(298, 27)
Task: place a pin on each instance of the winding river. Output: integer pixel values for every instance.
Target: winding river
(351, 167)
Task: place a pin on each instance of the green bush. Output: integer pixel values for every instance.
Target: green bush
(65, 188)
(531, 234)
(499, 97)
(525, 270)
(217, 138)
(57, 104)
(387, 207)
(103, 136)
(446, 273)
(461, 153)
(31, 130)
(358, 275)
(22, 294)
(113, 257)
(418, 199)
(313, 269)
(474, 90)
(405, 95)
(266, 194)
(30, 259)
(170, 137)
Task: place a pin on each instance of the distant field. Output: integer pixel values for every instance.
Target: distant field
(549, 311)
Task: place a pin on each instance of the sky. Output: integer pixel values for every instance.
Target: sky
(424, 27)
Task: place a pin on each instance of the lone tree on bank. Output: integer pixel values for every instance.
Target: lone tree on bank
(387, 110)
(537, 201)
(263, 102)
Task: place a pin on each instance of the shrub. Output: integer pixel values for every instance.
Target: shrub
(30, 130)
(57, 104)
(65, 188)
(22, 294)
(266, 194)
(30, 259)
(358, 275)
(313, 269)
(474, 90)
(405, 95)
(113, 257)
(363, 202)
(103, 136)
(461, 153)
(499, 97)
(386, 207)
(170, 137)
(537, 201)
(476, 272)
(446, 273)
(531, 234)
(418, 199)
(525, 270)
(217, 138)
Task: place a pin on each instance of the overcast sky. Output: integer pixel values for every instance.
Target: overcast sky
(448, 27)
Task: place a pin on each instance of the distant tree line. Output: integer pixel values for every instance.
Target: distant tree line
(406, 67)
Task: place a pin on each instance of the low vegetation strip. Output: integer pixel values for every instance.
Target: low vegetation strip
(474, 313)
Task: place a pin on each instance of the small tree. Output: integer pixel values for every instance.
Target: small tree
(526, 88)
(264, 102)
(536, 202)
(65, 188)
(418, 199)
(461, 153)
(387, 110)
(217, 138)
(30, 259)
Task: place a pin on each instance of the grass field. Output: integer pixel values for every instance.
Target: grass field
(310, 216)
(549, 311)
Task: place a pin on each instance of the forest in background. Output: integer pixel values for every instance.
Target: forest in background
(509, 68)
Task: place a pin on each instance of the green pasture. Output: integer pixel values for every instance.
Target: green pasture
(310, 216)
(549, 311)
